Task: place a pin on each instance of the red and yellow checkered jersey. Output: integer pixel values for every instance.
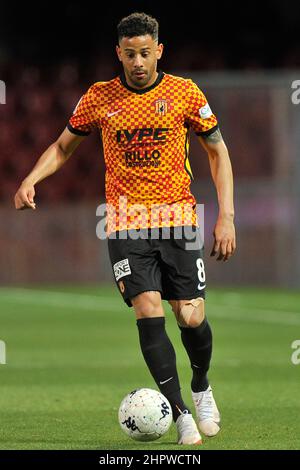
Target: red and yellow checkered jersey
(145, 137)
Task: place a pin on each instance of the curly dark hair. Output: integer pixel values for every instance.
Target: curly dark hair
(138, 24)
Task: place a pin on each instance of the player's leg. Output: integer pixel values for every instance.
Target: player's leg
(196, 337)
(157, 348)
(160, 357)
(183, 281)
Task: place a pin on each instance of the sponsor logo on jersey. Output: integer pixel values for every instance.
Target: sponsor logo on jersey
(121, 269)
(205, 112)
(142, 158)
(139, 135)
(146, 137)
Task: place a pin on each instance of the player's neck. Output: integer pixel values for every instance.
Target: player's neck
(147, 85)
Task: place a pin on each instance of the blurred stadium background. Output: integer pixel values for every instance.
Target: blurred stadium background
(245, 57)
(244, 63)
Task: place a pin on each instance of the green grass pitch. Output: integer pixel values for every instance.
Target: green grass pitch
(73, 354)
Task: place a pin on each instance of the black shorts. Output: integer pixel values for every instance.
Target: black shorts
(170, 262)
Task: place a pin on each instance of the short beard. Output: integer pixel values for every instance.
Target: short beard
(138, 83)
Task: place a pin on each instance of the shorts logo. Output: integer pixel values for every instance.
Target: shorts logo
(121, 286)
(205, 112)
(121, 269)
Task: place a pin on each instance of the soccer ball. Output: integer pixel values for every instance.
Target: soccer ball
(145, 414)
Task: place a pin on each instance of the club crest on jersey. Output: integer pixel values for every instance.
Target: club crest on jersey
(161, 107)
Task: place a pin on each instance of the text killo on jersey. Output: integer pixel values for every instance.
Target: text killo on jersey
(143, 158)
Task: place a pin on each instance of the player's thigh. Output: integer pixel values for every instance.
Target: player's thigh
(183, 270)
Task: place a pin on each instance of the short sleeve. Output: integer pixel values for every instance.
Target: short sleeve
(85, 115)
(199, 116)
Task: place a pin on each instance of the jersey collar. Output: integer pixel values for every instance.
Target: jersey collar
(160, 76)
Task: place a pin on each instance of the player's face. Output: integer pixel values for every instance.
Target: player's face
(139, 56)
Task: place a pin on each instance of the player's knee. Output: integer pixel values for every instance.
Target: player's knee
(191, 313)
(147, 305)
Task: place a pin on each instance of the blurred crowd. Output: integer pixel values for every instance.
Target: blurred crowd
(38, 106)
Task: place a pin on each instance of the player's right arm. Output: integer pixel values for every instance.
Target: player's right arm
(49, 162)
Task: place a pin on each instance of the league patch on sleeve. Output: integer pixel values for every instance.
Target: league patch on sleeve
(205, 112)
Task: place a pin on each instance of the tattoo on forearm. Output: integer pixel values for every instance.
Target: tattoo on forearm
(214, 137)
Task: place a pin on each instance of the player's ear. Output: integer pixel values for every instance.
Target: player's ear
(118, 51)
(159, 51)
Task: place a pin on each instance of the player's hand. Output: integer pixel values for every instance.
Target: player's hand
(224, 235)
(24, 198)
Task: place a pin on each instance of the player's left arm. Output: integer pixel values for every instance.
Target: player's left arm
(221, 171)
